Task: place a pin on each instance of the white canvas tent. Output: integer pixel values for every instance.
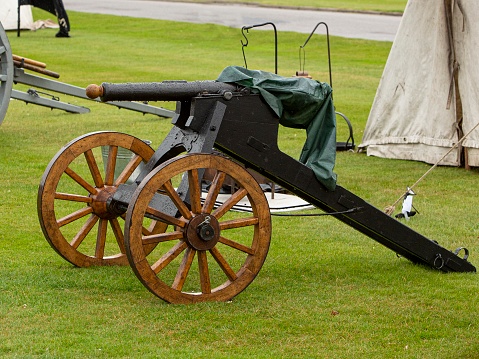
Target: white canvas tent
(9, 15)
(428, 96)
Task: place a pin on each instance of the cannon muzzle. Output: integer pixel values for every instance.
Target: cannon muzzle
(157, 91)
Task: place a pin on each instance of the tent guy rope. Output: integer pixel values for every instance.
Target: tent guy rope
(390, 209)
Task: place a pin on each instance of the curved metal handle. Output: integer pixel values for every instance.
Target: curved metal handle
(466, 252)
(301, 51)
(243, 45)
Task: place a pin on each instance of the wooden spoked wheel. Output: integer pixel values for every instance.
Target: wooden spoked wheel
(73, 195)
(210, 251)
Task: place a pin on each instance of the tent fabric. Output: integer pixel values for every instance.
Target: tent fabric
(411, 117)
(467, 52)
(299, 103)
(9, 15)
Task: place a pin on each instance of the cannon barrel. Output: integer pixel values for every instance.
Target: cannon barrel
(157, 91)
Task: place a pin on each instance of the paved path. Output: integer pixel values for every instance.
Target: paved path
(352, 25)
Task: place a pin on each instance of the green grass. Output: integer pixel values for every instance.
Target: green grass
(387, 307)
(388, 6)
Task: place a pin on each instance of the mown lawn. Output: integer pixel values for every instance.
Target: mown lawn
(325, 290)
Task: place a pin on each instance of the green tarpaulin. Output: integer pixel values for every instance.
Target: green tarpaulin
(299, 103)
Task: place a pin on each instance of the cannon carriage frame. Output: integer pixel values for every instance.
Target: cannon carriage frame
(207, 251)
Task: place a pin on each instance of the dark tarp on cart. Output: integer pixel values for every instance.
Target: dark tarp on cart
(299, 103)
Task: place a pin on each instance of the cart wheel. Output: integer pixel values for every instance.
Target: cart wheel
(6, 73)
(230, 246)
(74, 191)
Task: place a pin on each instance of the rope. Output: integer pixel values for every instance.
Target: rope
(390, 209)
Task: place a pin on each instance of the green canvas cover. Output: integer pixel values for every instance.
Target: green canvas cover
(299, 103)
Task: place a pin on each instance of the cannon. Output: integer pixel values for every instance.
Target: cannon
(182, 232)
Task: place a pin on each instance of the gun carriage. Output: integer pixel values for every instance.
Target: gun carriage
(182, 242)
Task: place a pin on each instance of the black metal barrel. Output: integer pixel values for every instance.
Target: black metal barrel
(157, 91)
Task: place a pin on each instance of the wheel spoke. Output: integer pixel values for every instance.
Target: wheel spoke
(195, 191)
(154, 227)
(204, 272)
(185, 212)
(162, 237)
(236, 245)
(101, 238)
(117, 231)
(94, 170)
(184, 269)
(74, 216)
(110, 165)
(238, 223)
(76, 177)
(212, 195)
(129, 169)
(168, 257)
(73, 197)
(165, 217)
(225, 267)
(83, 232)
(230, 202)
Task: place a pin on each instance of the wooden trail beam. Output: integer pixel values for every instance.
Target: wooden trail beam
(40, 70)
(29, 61)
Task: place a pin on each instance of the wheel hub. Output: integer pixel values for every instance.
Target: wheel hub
(203, 232)
(99, 203)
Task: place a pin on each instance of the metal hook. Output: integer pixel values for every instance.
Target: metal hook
(302, 51)
(243, 45)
